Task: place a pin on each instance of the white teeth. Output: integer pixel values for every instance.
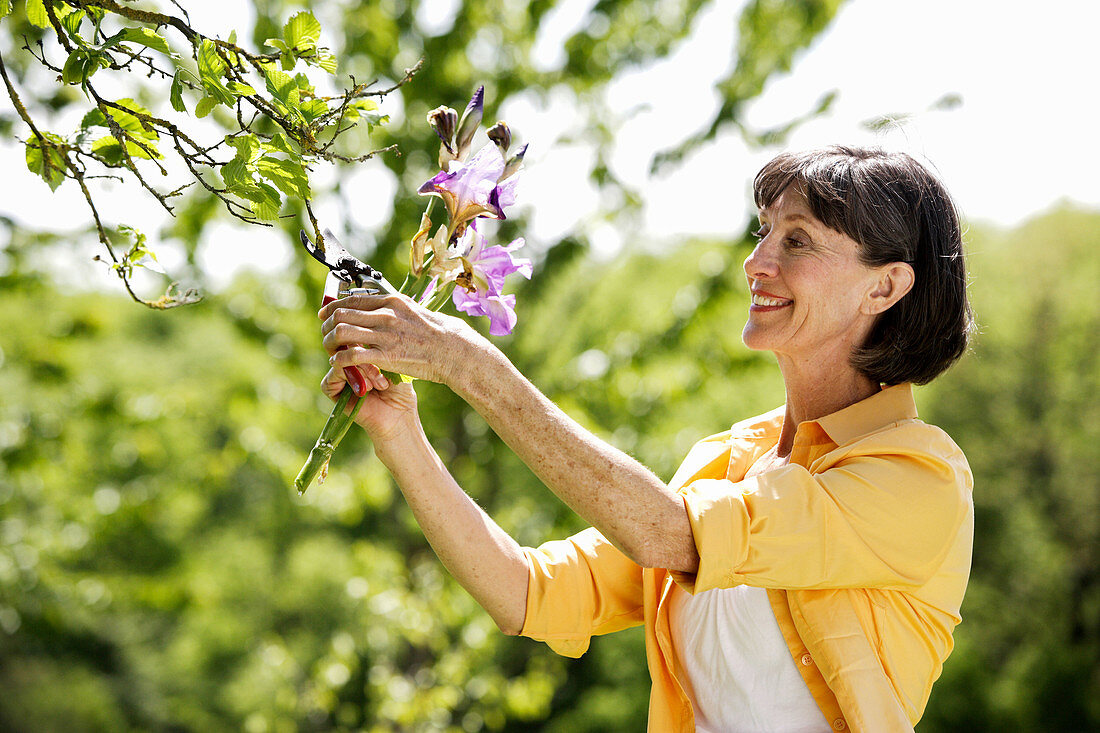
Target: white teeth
(763, 300)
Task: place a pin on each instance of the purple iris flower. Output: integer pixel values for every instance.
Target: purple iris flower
(501, 309)
(504, 194)
(488, 267)
(469, 189)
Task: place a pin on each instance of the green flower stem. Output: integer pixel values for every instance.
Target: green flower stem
(421, 281)
(394, 377)
(441, 297)
(334, 431)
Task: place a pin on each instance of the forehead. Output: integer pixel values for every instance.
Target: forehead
(791, 205)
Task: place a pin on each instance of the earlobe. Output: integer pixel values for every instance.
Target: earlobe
(895, 280)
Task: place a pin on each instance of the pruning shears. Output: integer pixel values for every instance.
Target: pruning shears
(347, 276)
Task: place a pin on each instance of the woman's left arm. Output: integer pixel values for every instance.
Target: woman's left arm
(619, 496)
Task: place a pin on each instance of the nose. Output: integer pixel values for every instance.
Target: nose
(761, 262)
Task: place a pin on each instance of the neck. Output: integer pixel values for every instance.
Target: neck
(813, 392)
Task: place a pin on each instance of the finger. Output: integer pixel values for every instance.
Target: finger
(333, 383)
(358, 356)
(346, 334)
(362, 319)
(360, 303)
(374, 376)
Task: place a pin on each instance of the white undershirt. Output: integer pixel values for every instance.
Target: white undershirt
(735, 666)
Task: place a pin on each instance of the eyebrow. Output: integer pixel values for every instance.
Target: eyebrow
(789, 217)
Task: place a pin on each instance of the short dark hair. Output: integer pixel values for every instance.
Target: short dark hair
(897, 211)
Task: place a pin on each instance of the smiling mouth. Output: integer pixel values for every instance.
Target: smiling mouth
(765, 302)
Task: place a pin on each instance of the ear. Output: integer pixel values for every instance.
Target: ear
(894, 281)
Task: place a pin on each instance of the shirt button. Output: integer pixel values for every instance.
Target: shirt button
(839, 724)
(807, 660)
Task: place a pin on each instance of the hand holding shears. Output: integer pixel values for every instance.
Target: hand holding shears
(347, 276)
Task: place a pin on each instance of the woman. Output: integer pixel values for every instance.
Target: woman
(803, 571)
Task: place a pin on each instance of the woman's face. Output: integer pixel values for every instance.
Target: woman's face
(812, 298)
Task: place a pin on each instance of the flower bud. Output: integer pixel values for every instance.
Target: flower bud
(445, 158)
(418, 247)
(444, 121)
(513, 163)
(445, 265)
(502, 136)
(468, 125)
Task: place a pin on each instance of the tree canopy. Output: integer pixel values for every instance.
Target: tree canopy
(240, 121)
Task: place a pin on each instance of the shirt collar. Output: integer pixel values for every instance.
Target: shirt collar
(886, 407)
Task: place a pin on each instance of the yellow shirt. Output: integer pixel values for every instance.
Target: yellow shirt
(863, 542)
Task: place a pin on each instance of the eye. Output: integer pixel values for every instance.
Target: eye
(761, 232)
(793, 243)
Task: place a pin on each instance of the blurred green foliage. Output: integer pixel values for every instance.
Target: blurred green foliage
(158, 572)
(1025, 407)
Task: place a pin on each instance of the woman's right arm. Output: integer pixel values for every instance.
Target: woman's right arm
(480, 555)
(608, 488)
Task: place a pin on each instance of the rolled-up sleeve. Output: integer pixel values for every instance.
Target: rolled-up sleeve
(578, 588)
(877, 520)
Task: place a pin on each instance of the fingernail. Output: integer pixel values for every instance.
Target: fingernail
(332, 359)
(356, 390)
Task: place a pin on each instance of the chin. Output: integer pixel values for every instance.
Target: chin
(754, 338)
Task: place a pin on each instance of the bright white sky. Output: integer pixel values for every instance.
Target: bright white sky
(1022, 139)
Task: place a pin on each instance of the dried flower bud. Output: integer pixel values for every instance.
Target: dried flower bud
(445, 265)
(445, 158)
(444, 121)
(513, 163)
(418, 247)
(468, 125)
(502, 136)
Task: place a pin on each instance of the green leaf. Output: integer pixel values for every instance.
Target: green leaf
(130, 122)
(326, 61)
(109, 149)
(176, 93)
(288, 176)
(207, 103)
(94, 118)
(46, 160)
(360, 110)
(5, 8)
(301, 32)
(265, 201)
(211, 70)
(247, 146)
(73, 71)
(276, 43)
(242, 89)
(140, 139)
(313, 108)
(82, 63)
(150, 39)
(146, 149)
(220, 93)
(281, 85)
(139, 254)
(236, 175)
(211, 65)
(280, 144)
(71, 23)
(36, 14)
